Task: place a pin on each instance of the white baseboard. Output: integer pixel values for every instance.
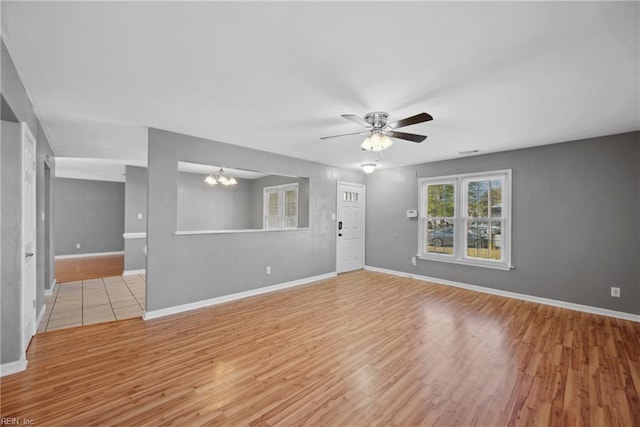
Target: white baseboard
(515, 295)
(89, 255)
(49, 292)
(134, 272)
(13, 367)
(227, 298)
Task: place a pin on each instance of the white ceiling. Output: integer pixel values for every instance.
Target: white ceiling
(276, 76)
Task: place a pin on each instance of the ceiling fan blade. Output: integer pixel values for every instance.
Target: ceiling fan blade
(344, 134)
(418, 118)
(408, 136)
(356, 119)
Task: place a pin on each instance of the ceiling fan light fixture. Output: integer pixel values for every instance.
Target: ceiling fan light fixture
(385, 142)
(366, 144)
(368, 167)
(377, 142)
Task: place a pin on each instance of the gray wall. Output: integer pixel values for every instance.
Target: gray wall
(135, 202)
(205, 207)
(184, 269)
(16, 100)
(135, 193)
(11, 214)
(90, 213)
(576, 221)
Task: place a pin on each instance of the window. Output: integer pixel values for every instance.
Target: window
(466, 219)
(281, 206)
(349, 196)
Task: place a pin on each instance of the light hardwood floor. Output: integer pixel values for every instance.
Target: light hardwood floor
(86, 268)
(362, 348)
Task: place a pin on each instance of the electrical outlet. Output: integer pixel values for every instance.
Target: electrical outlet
(78, 245)
(414, 261)
(615, 292)
(268, 269)
(139, 216)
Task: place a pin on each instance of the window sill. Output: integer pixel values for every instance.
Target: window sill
(495, 266)
(260, 230)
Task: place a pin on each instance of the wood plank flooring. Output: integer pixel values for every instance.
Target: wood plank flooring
(360, 349)
(86, 268)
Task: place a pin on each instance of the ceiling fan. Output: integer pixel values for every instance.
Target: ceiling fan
(379, 132)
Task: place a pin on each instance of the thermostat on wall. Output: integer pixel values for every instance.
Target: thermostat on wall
(412, 213)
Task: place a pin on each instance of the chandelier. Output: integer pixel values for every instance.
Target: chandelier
(220, 178)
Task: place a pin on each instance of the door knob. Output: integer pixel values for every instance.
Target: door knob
(28, 254)
(339, 234)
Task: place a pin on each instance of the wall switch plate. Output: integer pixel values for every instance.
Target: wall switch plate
(414, 261)
(615, 292)
(43, 215)
(78, 245)
(268, 269)
(139, 216)
(333, 217)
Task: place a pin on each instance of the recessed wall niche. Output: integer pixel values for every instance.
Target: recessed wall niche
(216, 198)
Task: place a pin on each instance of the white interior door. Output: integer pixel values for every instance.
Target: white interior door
(350, 227)
(28, 247)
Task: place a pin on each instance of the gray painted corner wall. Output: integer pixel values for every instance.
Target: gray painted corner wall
(16, 100)
(90, 213)
(188, 268)
(135, 202)
(135, 199)
(576, 221)
(205, 207)
(10, 266)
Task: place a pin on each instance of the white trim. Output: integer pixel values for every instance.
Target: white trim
(28, 290)
(134, 272)
(524, 297)
(41, 314)
(339, 200)
(139, 235)
(89, 255)
(154, 314)
(49, 292)
(447, 258)
(13, 367)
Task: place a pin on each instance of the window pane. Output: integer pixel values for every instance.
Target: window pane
(440, 200)
(484, 199)
(290, 202)
(484, 239)
(440, 237)
(273, 204)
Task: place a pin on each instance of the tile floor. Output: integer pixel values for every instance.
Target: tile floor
(92, 301)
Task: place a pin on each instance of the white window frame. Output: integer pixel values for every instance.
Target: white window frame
(459, 256)
(281, 189)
